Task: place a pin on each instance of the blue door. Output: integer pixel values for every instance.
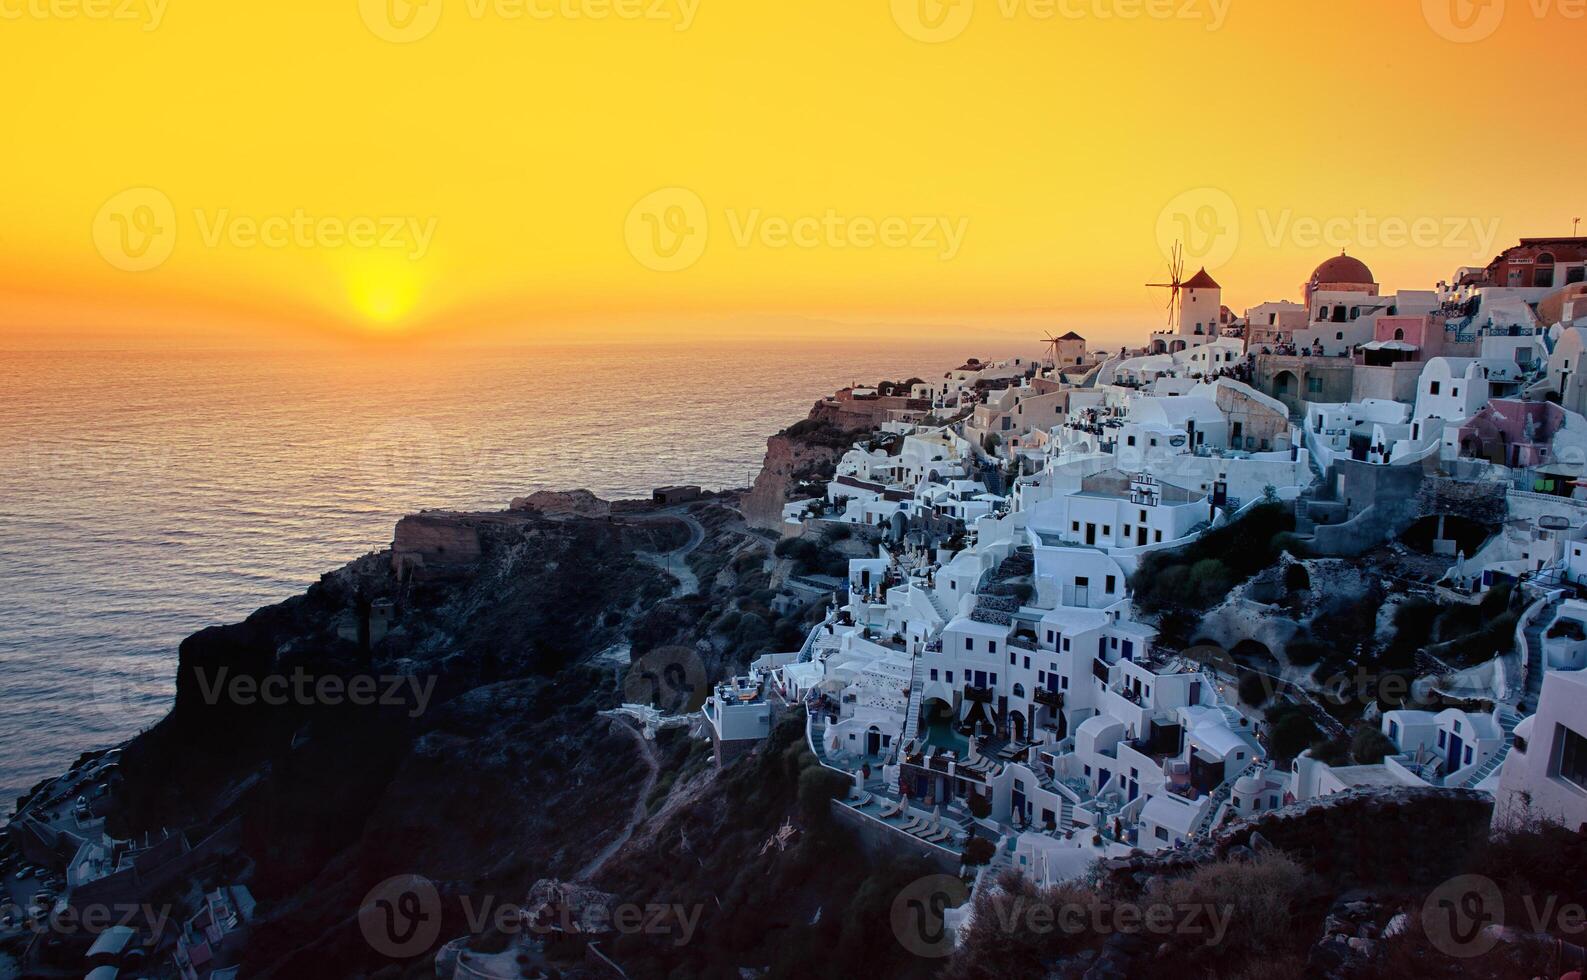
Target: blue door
(1453, 763)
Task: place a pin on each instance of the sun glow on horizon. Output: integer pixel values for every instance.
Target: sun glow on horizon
(475, 169)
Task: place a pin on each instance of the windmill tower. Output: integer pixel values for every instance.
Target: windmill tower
(1053, 356)
(1175, 286)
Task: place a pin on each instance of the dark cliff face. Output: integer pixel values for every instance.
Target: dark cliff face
(436, 725)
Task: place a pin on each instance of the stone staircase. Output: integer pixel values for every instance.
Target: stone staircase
(1534, 652)
(917, 687)
(1220, 796)
(1508, 719)
(937, 604)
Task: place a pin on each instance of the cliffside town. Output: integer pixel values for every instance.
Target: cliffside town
(1274, 625)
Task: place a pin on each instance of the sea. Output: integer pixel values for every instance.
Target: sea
(147, 494)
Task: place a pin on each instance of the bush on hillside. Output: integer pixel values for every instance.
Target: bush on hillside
(1200, 574)
(1370, 746)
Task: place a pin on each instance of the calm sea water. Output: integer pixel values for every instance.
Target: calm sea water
(146, 495)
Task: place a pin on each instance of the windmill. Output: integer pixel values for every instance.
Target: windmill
(1052, 342)
(1175, 284)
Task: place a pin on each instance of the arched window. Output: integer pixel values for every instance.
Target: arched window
(1019, 690)
(1543, 274)
(1399, 333)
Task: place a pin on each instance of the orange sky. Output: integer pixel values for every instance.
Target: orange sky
(555, 169)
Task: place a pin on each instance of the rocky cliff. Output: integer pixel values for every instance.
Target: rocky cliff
(804, 453)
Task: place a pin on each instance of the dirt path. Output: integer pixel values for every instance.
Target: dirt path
(648, 752)
(676, 562)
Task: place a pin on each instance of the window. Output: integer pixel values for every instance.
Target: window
(969, 644)
(1432, 387)
(1443, 739)
(1573, 757)
(1314, 385)
(1027, 663)
(933, 673)
(950, 677)
(1063, 683)
(1130, 441)
(1013, 658)
(1162, 833)
(1107, 530)
(1112, 584)
(991, 646)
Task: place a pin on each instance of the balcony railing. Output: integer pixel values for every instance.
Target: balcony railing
(1052, 699)
(982, 695)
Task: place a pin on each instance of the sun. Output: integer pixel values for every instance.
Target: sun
(382, 294)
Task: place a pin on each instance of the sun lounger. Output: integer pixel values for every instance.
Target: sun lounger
(913, 824)
(891, 810)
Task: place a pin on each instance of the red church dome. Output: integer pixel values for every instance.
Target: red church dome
(1342, 269)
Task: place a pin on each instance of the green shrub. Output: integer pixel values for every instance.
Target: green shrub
(1202, 572)
(1370, 746)
(1253, 689)
(1290, 731)
(979, 851)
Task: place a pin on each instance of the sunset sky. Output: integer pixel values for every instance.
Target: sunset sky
(221, 172)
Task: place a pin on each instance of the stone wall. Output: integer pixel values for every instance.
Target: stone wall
(429, 544)
(1413, 836)
(886, 845)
